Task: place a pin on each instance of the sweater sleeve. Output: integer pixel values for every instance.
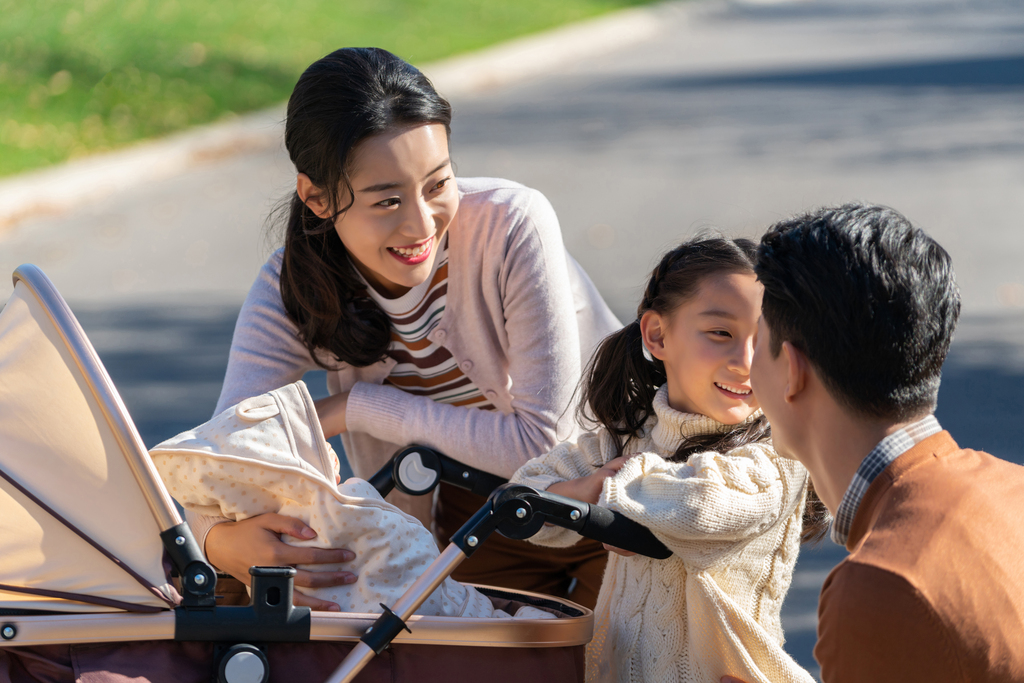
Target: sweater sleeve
(875, 626)
(265, 350)
(542, 356)
(567, 461)
(711, 500)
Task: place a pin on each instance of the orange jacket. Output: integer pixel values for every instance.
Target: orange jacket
(933, 589)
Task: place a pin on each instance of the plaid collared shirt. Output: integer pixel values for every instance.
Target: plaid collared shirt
(887, 450)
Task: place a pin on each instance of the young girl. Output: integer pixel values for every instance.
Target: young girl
(683, 449)
(446, 312)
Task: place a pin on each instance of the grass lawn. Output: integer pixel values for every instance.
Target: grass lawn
(80, 76)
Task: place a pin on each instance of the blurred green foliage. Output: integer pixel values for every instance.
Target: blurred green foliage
(80, 76)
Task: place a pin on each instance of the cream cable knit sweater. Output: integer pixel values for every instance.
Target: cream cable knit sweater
(733, 524)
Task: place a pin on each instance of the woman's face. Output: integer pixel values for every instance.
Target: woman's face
(707, 344)
(405, 198)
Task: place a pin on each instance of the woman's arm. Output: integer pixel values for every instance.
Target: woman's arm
(542, 354)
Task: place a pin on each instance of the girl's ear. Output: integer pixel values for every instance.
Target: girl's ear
(312, 196)
(652, 329)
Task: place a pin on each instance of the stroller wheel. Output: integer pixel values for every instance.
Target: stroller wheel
(243, 664)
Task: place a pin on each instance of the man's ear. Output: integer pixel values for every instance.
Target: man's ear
(312, 196)
(797, 368)
(652, 329)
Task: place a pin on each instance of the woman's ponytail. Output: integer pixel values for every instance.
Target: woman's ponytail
(325, 297)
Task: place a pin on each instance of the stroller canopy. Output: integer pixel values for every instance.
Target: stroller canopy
(79, 500)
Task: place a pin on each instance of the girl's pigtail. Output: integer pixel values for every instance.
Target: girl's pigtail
(619, 385)
(817, 519)
(620, 381)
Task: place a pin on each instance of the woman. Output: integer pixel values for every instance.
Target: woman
(445, 313)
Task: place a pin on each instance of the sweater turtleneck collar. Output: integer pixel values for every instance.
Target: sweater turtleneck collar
(673, 426)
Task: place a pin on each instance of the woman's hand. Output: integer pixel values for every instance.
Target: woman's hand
(233, 547)
(588, 489)
(331, 411)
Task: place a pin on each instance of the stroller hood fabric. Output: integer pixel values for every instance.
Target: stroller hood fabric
(268, 454)
(76, 532)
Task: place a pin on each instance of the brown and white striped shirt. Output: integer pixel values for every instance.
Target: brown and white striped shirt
(424, 367)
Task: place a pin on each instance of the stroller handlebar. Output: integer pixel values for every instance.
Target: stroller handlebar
(417, 470)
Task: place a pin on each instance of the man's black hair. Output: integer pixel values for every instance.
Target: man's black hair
(870, 299)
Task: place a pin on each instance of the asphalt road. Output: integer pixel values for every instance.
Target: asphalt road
(735, 115)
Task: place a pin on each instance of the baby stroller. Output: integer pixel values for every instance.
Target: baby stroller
(101, 581)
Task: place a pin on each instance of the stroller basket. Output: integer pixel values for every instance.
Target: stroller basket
(87, 531)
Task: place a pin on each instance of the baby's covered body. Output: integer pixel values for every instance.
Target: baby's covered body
(268, 454)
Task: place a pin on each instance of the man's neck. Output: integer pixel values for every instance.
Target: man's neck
(836, 450)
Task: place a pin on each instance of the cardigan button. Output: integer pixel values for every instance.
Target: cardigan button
(491, 394)
(439, 335)
(467, 365)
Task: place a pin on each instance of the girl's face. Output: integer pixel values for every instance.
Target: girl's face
(707, 344)
(405, 199)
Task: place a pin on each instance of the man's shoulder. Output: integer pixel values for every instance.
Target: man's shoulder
(944, 507)
(939, 560)
(855, 577)
(937, 489)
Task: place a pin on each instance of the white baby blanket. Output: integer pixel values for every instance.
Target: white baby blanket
(268, 454)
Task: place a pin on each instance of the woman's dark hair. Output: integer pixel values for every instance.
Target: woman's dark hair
(619, 383)
(340, 100)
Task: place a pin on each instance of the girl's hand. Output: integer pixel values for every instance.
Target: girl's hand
(331, 411)
(233, 547)
(624, 553)
(588, 489)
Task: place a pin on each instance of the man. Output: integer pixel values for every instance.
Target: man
(858, 315)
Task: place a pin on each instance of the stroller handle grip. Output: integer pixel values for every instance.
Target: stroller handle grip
(615, 529)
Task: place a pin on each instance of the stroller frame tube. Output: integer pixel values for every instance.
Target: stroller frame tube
(416, 595)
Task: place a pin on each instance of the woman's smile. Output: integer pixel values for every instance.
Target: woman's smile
(414, 253)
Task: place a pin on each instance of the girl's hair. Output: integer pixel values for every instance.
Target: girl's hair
(340, 100)
(619, 383)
